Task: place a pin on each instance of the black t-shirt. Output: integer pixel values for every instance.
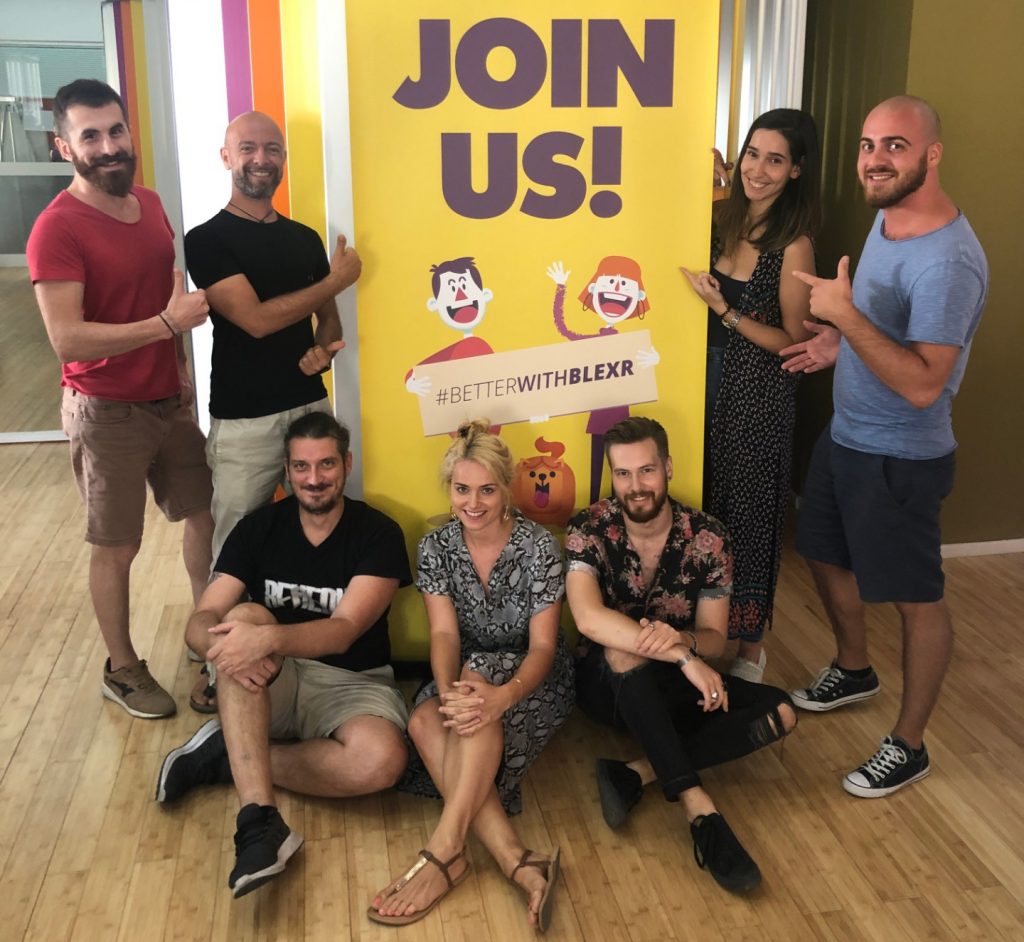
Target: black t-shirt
(251, 376)
(299, 582)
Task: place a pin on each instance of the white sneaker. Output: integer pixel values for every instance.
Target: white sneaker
(748, 670)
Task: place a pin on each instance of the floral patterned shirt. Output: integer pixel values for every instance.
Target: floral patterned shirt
(696, 563)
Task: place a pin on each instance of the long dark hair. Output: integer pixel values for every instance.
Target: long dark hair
(797, 211)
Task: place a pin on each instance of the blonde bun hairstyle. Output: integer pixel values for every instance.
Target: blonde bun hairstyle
(474, 441)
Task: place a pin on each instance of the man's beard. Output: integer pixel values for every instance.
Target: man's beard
(115, 182)
(318, 509)
(262, 190)
(651, 512)
(901, 189)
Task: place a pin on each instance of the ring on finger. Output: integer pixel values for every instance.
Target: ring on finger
(714, 694)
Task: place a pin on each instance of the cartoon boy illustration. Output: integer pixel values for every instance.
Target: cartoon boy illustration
(460, 299)
(615, 293)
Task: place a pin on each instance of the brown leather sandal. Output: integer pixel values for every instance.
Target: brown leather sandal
(425, 857)
(549, 867)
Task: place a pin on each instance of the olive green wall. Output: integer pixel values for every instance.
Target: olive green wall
(965, 59)
(961, 58)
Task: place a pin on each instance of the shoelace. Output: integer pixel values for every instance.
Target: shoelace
(827, 679)
(140, 678)
(888, 757)
(253, 833)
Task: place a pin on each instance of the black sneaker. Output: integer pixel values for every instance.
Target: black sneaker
(263, 845)
(619, 788)
(888, 770)
(203, 760)
(716, 848)
(833, 687)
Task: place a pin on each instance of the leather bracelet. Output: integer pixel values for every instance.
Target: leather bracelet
(167, 324)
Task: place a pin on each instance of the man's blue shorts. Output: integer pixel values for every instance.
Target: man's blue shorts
(877, 516)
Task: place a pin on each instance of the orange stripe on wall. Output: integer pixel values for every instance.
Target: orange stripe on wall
(131, 92)
(268, 76)
(141, 76)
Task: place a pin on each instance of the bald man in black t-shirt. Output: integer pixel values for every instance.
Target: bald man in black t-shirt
(266, 277)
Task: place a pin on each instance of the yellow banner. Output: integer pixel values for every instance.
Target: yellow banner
(526, 181)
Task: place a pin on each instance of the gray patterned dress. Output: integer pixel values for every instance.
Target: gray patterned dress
(494, 627)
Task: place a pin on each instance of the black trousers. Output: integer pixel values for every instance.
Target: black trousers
(658, 706)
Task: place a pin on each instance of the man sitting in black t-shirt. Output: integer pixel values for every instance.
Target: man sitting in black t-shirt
(306, 659)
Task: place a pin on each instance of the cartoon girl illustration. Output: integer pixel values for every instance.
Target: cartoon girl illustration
(615, 293)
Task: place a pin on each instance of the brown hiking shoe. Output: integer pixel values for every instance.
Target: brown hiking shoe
(136, 690)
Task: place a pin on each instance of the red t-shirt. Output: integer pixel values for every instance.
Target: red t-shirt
(126, 270)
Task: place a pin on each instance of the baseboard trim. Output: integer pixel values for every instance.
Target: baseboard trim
(990, 548)
(22, 438)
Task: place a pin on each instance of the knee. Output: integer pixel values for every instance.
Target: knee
(471, 676)
(424, 722)
(787, 716)
(250, 612)
(118, 557)
(383, 763)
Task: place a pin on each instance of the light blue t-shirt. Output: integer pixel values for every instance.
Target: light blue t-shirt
(930, 289)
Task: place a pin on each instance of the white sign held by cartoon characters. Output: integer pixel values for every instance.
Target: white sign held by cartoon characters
(557, 379)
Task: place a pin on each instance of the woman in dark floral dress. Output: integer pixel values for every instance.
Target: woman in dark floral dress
(492, 582)
(762, 234)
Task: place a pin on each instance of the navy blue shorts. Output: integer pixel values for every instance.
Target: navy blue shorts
(877, 516)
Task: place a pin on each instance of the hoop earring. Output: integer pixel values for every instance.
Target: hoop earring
(452, 515)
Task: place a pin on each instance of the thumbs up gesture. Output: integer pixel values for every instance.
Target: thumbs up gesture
(831, 298)
(185, 309)
(317, 359)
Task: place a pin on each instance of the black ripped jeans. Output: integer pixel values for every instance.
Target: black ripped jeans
(658, 706)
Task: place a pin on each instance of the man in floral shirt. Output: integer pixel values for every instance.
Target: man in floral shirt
(648, 584)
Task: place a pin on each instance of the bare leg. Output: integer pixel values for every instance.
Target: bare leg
(644, 769)
(365, 755)
(838, 590)
(927, 646)
(463, 767)
(491, 825)
(750, 651)
(109, 577)
(195, 550)
(245, 718)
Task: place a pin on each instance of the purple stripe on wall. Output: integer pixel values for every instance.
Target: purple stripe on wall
(122, 71)
(237, 65)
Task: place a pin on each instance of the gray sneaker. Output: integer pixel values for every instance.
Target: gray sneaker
(135, 689)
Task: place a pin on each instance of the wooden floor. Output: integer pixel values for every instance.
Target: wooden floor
(29, 369)
(85, 852)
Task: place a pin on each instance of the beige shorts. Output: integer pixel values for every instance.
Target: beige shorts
(310, 700)
(247, 458)
(117, 447)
